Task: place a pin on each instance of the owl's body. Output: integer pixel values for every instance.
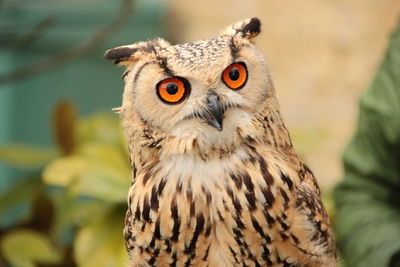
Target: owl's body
(216, 179)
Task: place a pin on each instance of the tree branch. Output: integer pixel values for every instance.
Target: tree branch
(72, 53)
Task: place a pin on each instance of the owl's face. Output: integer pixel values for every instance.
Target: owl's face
(206, 89)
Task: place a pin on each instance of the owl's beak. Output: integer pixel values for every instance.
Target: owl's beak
(215, 112)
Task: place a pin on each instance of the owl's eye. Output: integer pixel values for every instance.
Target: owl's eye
(173, 90)
(235, 75)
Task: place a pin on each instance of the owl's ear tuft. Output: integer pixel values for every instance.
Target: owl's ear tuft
(121, 54)
(248, 28)
(128, 54)
(252, 28)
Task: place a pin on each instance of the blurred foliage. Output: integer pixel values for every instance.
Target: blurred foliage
(36, 248)
(305, 140)
(26, 156)
(70, 212)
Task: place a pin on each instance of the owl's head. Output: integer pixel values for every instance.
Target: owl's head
(209, 91)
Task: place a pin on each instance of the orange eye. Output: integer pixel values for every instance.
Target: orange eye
(173, 90)
(235, 76)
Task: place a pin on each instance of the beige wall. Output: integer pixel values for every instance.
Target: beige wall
(322, 54)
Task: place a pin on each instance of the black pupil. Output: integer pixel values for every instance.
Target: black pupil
(234, 74)
(172, 88)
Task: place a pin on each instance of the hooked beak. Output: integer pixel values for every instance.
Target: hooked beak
(214, 113)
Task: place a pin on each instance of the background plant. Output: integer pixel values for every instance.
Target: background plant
(71, 210)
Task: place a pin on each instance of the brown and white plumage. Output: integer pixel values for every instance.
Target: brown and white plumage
(215, 186)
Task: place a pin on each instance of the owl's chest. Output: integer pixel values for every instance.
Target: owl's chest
(226, 211)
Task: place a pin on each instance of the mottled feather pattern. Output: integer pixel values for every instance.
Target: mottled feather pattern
(206, 197)
(245, 217)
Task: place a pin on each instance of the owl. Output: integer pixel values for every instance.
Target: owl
(216, 180)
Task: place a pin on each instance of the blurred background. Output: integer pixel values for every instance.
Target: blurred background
(64, 168)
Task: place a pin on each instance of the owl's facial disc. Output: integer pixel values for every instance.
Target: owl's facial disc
(234, 77)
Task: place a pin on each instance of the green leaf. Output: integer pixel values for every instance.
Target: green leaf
(96, 170)
(102, 184)
(101, 243)
(62, 171)
(24, 248)
(306, 140)
(104, 153)
(13, 201)
(104, 128)
(26, 156)
(72, 212)
(100, 127)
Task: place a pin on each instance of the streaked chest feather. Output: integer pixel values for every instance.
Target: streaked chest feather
(237, 210)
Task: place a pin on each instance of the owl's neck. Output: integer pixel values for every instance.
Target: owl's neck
(266, 129)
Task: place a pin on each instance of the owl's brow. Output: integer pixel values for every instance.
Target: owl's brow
(154, 47)
(139, 71)
(125, 74)
(162, 63)
(234, 49)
